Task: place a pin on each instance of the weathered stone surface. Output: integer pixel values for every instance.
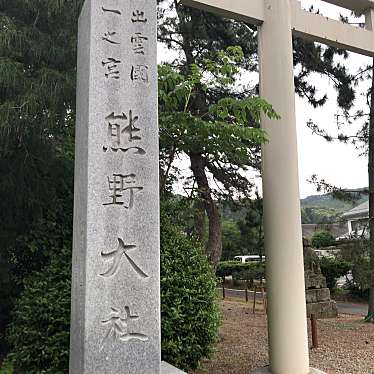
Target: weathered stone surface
(169, 369)
(115, 325)
(317, 295)
(314, 280)
(325, 309)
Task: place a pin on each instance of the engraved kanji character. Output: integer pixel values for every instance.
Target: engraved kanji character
(122, 184)
(108, 37)
(131, 129)
(116, 256)
(116, 11)
(138, 16)
(139, 73)
(117, 323)
(111, 66)
(137, 41)
(117, 129)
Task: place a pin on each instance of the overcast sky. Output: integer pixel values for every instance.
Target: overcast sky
(339, 164)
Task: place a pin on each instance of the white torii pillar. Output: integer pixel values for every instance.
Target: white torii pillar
(287, 324)
(276, 21)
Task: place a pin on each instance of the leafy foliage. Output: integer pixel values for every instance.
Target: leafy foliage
(328, 201)
(226, 134)
(322, 239)
(190, 316)
(251, 227)
(37, 110)
(37, 96)
(357, 253)
(231, 240)
(245, 271)
(333, 269)
(39, 332)
(201, 118)
(318, 215)
(7, 367)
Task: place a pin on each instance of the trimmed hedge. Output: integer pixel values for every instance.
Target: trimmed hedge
(239, 270)
(190, 315)
(39, 333)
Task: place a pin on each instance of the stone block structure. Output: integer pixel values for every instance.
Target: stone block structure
(318, 300)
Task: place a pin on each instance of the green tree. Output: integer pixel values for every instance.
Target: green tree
(318, 215)
(198, 36)
(220, 137)
(333, 269)
(37, 110)
(231, 240)
(37, 90)
(322, 238)
(251, 227)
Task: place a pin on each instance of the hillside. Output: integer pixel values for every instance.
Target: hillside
(328, 202)
(318, 209)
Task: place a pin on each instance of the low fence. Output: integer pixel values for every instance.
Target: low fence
(256, 295)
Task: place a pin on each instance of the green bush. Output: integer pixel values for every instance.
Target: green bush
(7, 367)
(357, 253)
(361, 273)
(190, 316)
(322, 239)
(333, 269)
(39, 332)
(245, 271)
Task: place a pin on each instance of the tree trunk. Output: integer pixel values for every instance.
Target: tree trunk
(199, 220)
(214, 244)
(371, 195)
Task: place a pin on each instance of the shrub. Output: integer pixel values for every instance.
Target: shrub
(245, 271)
(361, 273)
(39, 332)
(333, 269)
(322, 239)
(7, 367)
(190, 316)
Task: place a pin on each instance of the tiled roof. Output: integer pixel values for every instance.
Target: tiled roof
(359, 211)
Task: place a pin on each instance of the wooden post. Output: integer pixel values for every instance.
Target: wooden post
(254, 300)
(264, 300)
(223, 288)
(246, 294)
(313, 321)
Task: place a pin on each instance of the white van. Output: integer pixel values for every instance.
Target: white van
(249, 258)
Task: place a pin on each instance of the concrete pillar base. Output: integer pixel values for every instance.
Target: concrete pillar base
(169, 369)
(266, 370)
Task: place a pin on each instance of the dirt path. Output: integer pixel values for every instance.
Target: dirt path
(346, 344)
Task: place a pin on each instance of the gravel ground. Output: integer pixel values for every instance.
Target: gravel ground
(346, 344)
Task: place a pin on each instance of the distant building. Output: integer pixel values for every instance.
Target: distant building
(358, 220)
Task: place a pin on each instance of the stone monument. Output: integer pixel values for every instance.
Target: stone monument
(115, 323)
(318, 300)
